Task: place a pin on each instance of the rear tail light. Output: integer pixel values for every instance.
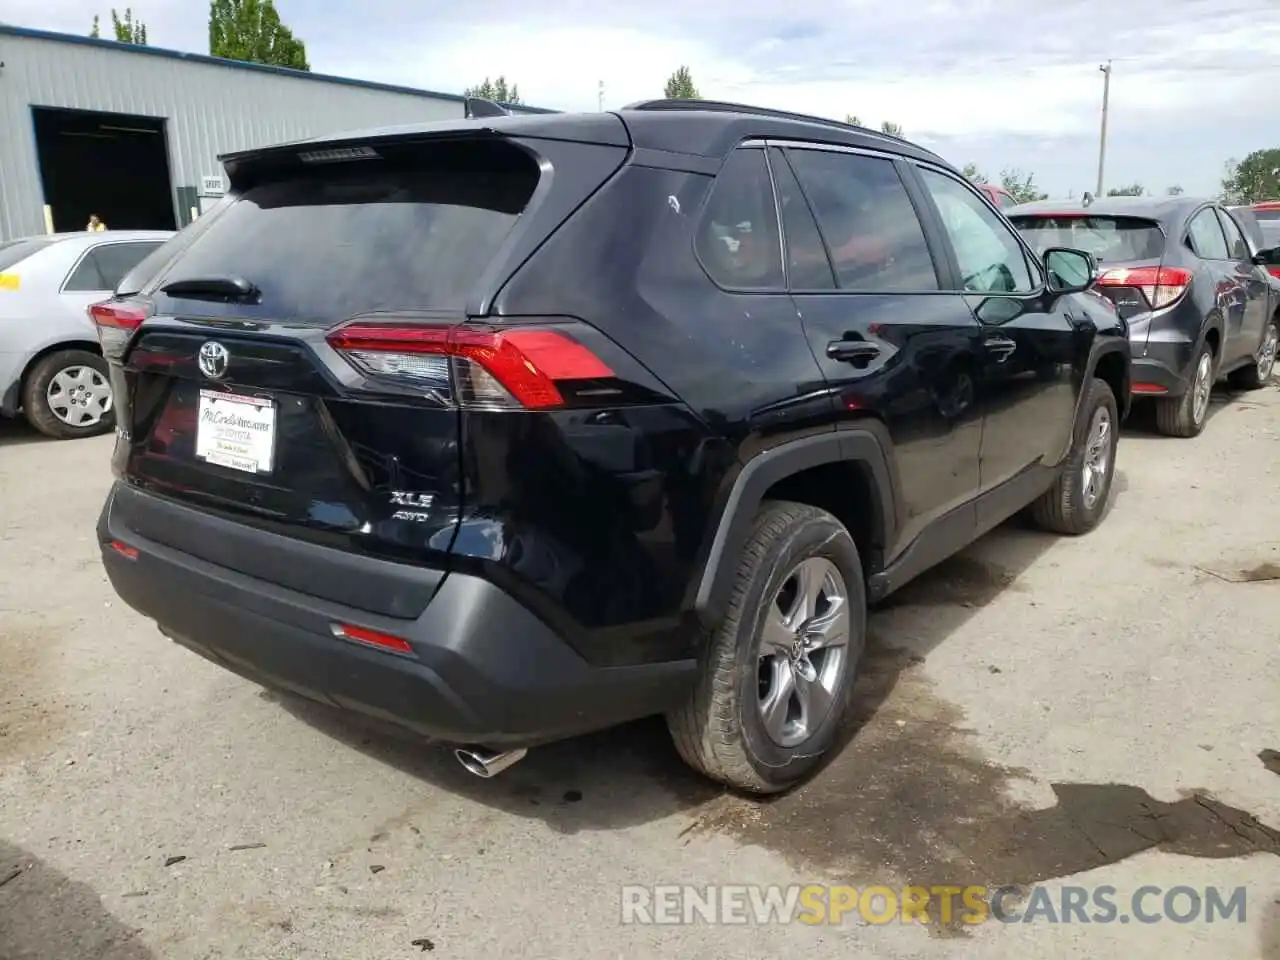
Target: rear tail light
(1161, 286)
(519, 368)
(370, 638)
(1274, 271)
(116, 323)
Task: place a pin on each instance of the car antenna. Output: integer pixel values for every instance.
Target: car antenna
(479, 107)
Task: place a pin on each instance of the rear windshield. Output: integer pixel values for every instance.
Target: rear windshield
(1270, 232)
(358, 237)
(1267, 213)
(13, 252)
(1109, 239)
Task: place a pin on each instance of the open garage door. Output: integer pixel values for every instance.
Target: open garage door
(112, 164)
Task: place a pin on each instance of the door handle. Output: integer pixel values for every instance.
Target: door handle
(1002, 347)
(853, 351)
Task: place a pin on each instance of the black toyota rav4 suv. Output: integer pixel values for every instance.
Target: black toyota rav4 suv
(513, 428)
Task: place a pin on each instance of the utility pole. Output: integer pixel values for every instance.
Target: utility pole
(1102, 140)
(600, 95)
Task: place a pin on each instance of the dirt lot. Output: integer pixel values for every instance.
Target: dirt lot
(1084, 712)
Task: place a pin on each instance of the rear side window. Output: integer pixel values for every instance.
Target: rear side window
(103, 267)
(737, 239)
(866, 217)
(808, 267)
(1205, 236)
(362, 237)
(1109, 239)
(13, 252)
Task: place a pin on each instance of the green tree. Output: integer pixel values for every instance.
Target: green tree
(680, 86)
(1256, 177)
(1175, 190)
(126, 29)
(1131, 190)
(1021, 186)
(495, 90)
(852, 120)
(250, 30)
(973, 174)
(891, 128)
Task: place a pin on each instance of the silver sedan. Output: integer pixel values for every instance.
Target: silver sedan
(51, 368)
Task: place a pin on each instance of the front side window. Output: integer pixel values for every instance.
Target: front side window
(1237, 246)
(1205, 236)
(737, 238)
(868, 221)
(989, 256)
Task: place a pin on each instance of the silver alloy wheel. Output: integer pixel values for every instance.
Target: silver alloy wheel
(1201, 388)
(1267, 352)
(803, 651)
(1097, 457)
(79, 396)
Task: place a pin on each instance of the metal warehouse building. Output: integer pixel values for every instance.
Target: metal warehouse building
(133, 133)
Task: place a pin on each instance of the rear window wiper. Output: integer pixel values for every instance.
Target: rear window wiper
(228, 289)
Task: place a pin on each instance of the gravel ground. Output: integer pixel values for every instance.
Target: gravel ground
(1063, 712)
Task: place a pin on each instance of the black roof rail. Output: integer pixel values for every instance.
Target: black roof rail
(721, 106)
(479, 107)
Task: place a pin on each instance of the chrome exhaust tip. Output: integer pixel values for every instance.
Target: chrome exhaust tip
(488, 763)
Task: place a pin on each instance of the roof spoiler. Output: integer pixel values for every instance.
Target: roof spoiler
(479, 107)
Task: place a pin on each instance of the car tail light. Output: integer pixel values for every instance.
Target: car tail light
(370, 638)
(1161, 286)
(517, 368)
(1274, 271)
(116, 323)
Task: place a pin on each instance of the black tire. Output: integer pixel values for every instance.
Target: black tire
(1258, 374)
(719, 730)
(1176, 416)
(1064, 508)
(35, 395)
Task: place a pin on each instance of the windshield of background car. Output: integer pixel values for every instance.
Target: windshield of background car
(13, 252)
(1109, 239)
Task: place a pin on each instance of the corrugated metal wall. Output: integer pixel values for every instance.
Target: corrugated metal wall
(209, 108)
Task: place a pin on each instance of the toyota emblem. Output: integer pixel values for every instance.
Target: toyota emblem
(213, 359)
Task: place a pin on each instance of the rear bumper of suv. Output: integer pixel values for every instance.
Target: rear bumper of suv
(483, 669)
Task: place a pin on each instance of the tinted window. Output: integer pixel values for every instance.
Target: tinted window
(1109, 239)
(85, 276)
(117, 259)
(1005, 201)
(807, 265)
(867, 220)
(1237, 246)
(989, 256)
(13, 252)
(341, 242)
(738, 234)
(1205, 236)
(1266, 214)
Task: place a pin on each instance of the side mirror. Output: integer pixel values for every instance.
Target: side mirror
(1070, 271)
(1266, 258)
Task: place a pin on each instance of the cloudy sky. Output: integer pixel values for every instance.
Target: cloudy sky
(1002, 83)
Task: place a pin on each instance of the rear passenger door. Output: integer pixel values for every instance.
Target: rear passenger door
(893, 343)
(1209, 244)
(1257, 287)
(1032, 346)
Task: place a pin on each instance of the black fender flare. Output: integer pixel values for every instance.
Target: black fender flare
(865, 444)
(1109, 347)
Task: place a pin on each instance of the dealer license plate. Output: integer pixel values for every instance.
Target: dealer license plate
(236, 431)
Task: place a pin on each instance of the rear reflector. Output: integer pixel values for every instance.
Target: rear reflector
(126, 551)
(116, 323)
(1162, 286)
(370, 638)
(516, 368)
(1147, 388)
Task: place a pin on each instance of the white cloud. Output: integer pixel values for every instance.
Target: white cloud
(1003, 82)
